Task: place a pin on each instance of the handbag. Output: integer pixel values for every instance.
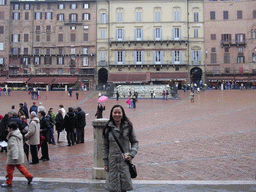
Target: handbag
(132, 167)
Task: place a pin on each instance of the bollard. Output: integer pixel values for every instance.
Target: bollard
(98, 171)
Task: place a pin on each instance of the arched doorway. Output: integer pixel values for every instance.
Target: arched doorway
(196, 75)
(102, 76)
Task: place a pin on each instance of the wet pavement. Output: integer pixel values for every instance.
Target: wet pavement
(212, 139)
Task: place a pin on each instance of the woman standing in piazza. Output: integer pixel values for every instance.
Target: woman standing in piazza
(115, 162)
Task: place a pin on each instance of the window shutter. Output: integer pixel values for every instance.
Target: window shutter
(18, 37)
(180, 57)
(116, 34)
(162, 56)
(199, 56)
(51, 15)
(141, 34)
(180, 33)
(154, 57)
(161, 33)
(12, 37)
(135, 56)
(89, 16)
(142, 56)
(173, 57)
(123, 34)
(101, 18)
(116, 57)
(35, 15)
(173, 33)
(154, 34)
(19, 16)
(123, 59)
(135, 34)
(192, 55)
(58, 16)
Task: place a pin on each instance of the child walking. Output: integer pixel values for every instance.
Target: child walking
(15, 155)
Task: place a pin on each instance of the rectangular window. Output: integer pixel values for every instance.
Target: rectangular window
(225, 14)
(120, 57)
(226, 37)
(2, 2)
(212, 15)
(37, 60)
(1, 61)
(138, 34)
(253, 57)
(26, 6)
(38, 15)
(254, 14)
(86, 6)
(16, 16)
(25, 61)
(240, 38)
(73, 17)
(1, 46)
(196, 57)
(60, 71)
(86, 16)
(73, 6)
(157, 16)
(158, 57)
(102, 33)
(60, 61)
(1, 29)
(176, 16)
(16, 6)
(37, 38)
(226, 58)
(195, 33)
(85, 36)
(85, 50)
(196, 16)
(25, 51)
(47, 60)
(16, 38)
(25, 37)
(37, 51)
(213, 36)
(103, 56)
(60, 51)
(60, 37)
(119, 16)
(73, 37)
(213, 58)
(48, 15)
(138, 57)
(158, 34)
(103, 18)
(48, 28)
(38, 6)
(120, 34)
(73, 50)
(61, 6)
(48, 37)
(60, 17)
(177, 57)
(177, 33)
(85, 61)
(38, 28)
(240, 59)
(26, 15)
(239, 15)
(138, 16)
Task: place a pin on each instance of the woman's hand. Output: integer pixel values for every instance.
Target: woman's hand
(106, 168)
(128, 157)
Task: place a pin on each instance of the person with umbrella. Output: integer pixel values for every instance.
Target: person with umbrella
(100, 109)
(33, 136)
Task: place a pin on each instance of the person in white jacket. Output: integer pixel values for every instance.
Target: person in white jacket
(41, 107)
(15, 155)
(33, 136)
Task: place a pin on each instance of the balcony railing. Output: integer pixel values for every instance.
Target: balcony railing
(166, 62)
(73, 22)
(233, 43)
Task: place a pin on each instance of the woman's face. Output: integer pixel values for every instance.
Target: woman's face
(117, 114)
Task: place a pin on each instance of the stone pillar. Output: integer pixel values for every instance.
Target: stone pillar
(98, 171)
(47, 87)
(221, 86)
(66, 87)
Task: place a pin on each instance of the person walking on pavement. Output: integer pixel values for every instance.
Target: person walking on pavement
(44, 130)
(100, 109)
(33, 136)
(117, 95)
(59, 121)
(192, 96)
(70, 123)
(51, 117)
(77, 95)
(115, 162)
(15, 155)
(33, 108)
(41, 108)
(81, 123)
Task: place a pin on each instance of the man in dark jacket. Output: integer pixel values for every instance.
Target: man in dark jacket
(44, 130)
(13, 117)
(22, 108)
(81, 122)
(70, 123)
(26, 109)
(33, 108)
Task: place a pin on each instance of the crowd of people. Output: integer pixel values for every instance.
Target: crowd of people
(36, 127)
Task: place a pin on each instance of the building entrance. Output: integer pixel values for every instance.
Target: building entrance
(196, 75)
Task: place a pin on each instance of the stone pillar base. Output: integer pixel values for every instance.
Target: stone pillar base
(98, 173)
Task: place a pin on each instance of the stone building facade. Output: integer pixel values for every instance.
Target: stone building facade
(53, 38)
(150, 41)
(230, 42)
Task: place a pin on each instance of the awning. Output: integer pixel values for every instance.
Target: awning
(64, 80)
(228, 78)
(40, 80)
(128, 77)
(17, 80)
(179, 76)
(2, 80)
